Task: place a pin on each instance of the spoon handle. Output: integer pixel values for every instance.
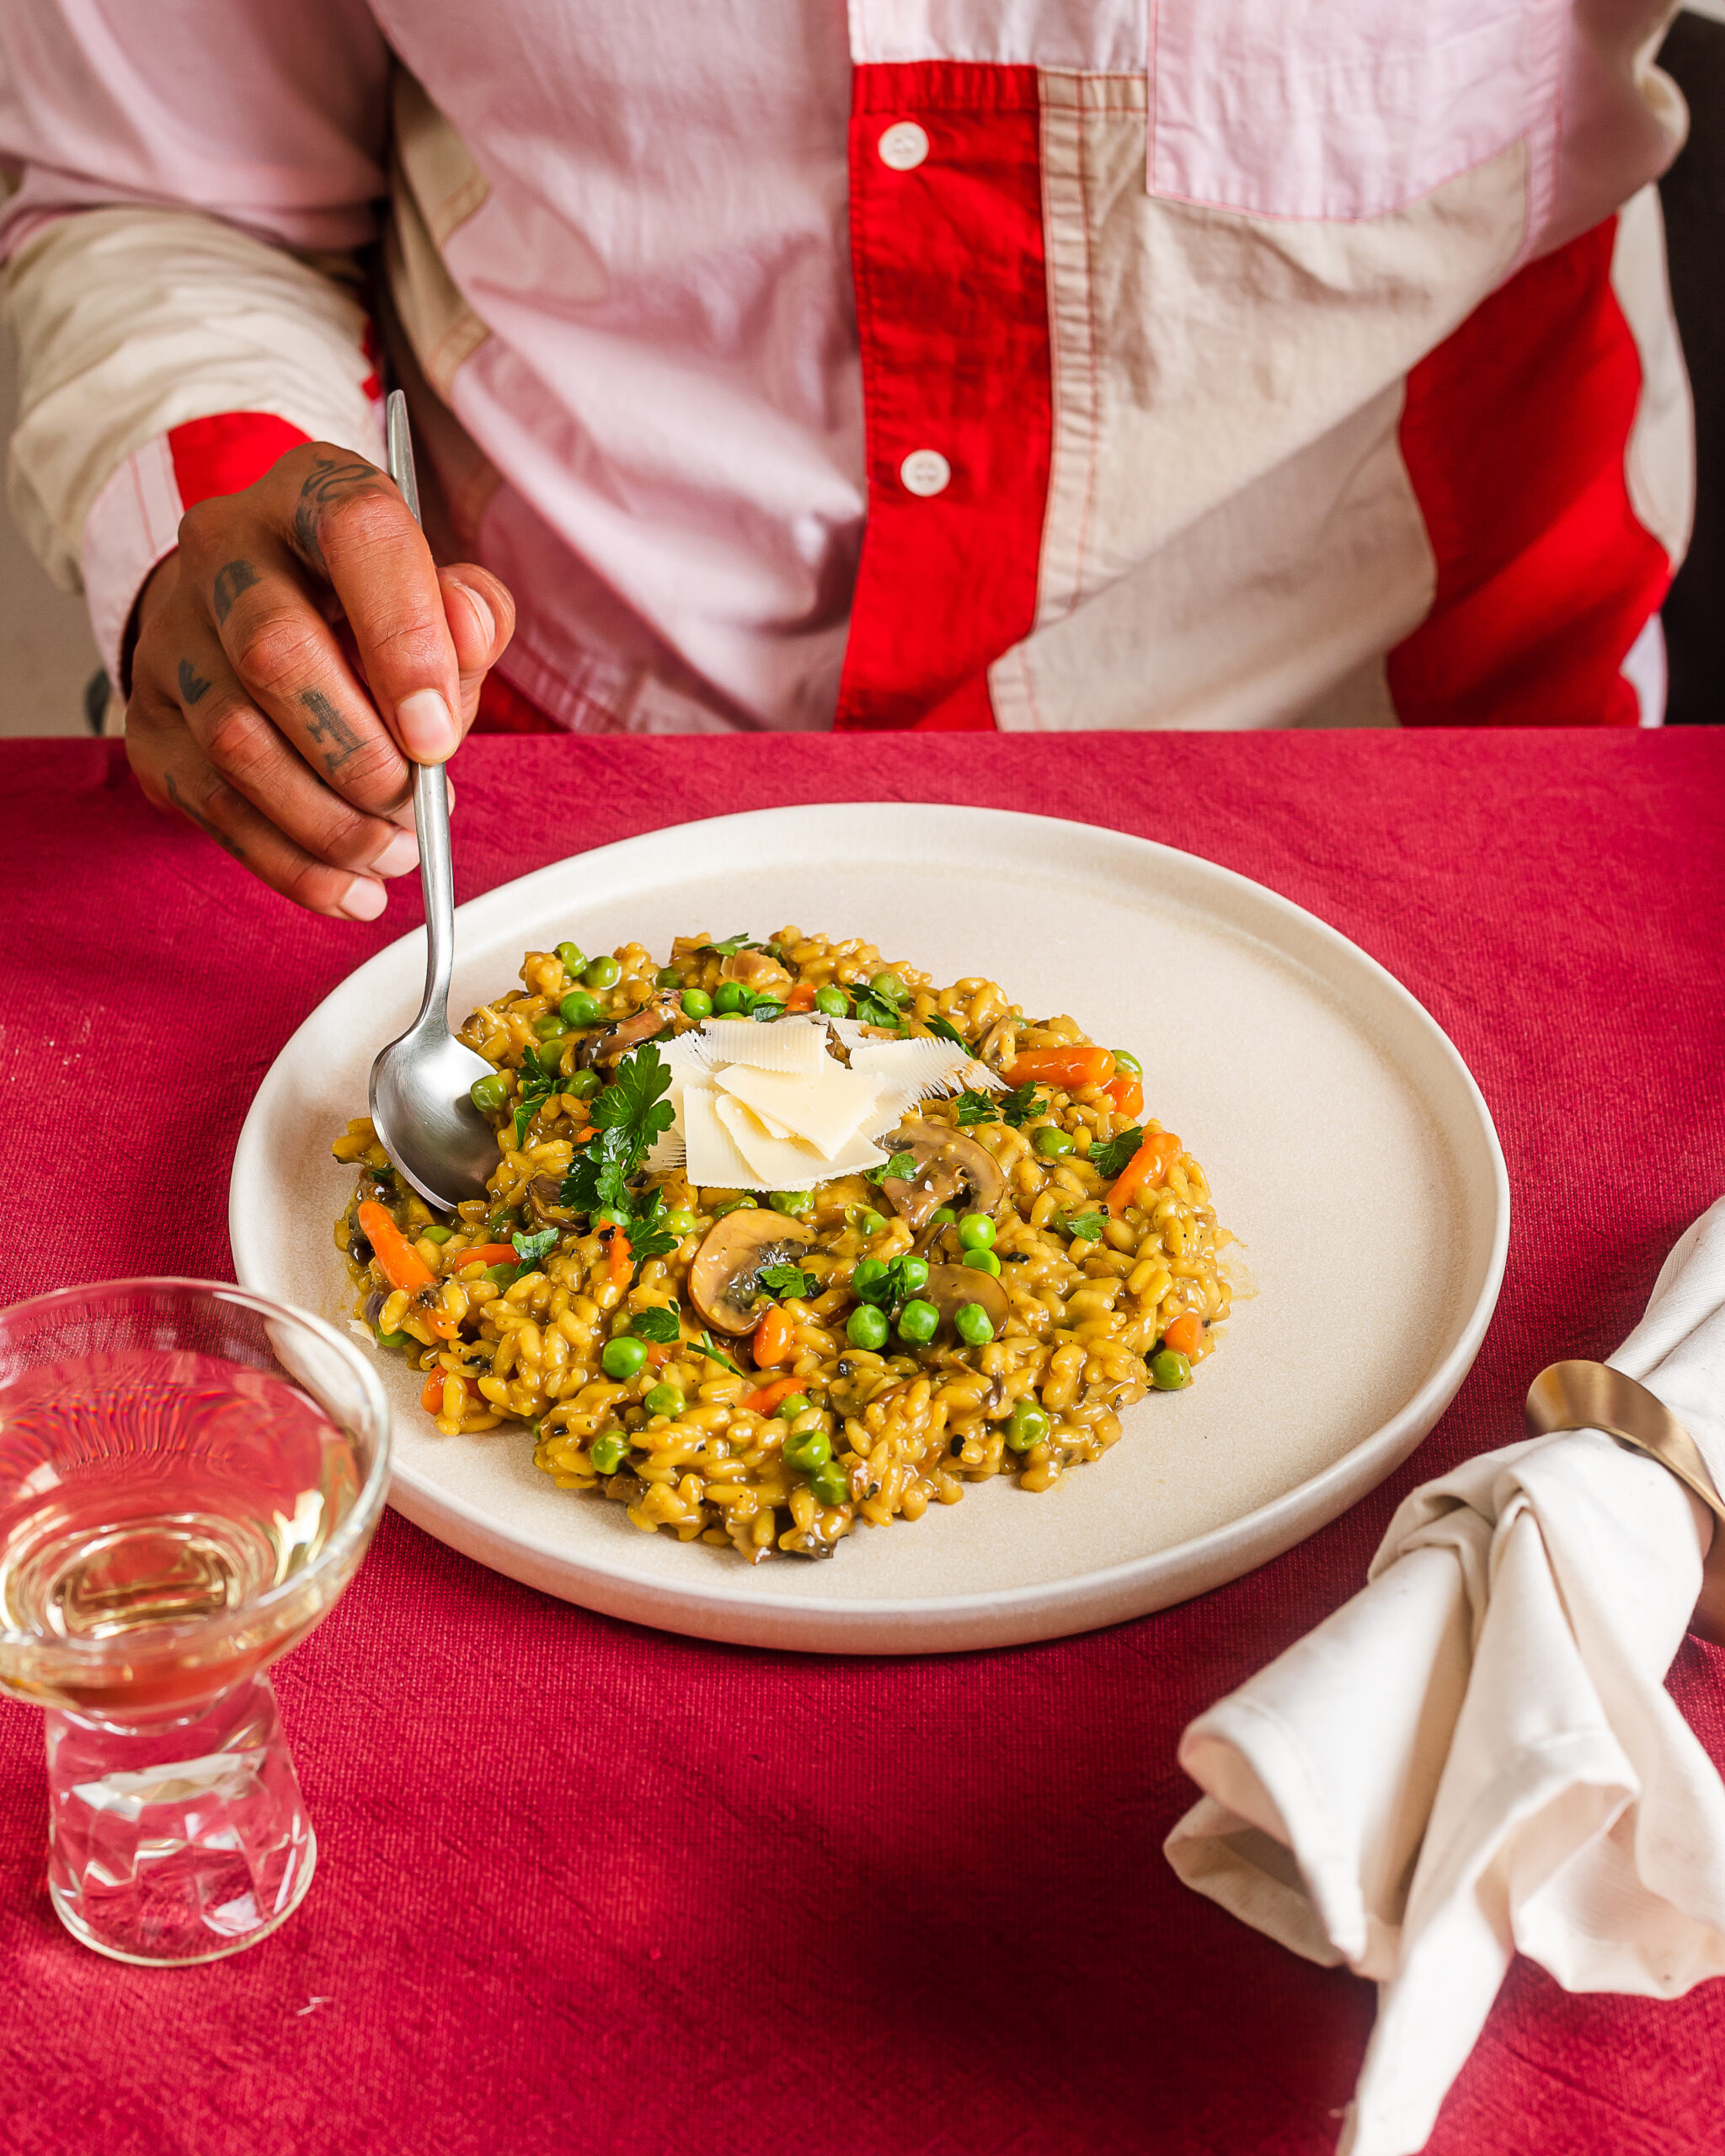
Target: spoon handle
(431, 788)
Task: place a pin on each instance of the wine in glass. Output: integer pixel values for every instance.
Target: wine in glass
(189, 1476)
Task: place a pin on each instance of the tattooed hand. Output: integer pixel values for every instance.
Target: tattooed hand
(294, 657)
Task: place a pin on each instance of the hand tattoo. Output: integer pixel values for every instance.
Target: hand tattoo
(203, 823)
(232, 580)
(326, 724)
(331, 479)
(191, 687)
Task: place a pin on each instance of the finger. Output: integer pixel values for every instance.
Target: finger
(259, 610)
(247, 750)
(177, 776)
(349, 522)
(480, 613)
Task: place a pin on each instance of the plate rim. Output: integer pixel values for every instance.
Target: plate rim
(1329, 1492)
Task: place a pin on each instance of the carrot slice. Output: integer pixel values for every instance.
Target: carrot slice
(402, 1265)
(1085, 1066)
(488, 1254)
(1185, 1336)
(431, 1399)
(621, 1258)
(769, 1396)
(801, 997)
(1147, 1169)
(1127, 1094)
(774, 1339)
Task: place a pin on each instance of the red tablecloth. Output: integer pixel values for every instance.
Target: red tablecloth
(588, 1888)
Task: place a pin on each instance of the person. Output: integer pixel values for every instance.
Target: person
(1072, 364)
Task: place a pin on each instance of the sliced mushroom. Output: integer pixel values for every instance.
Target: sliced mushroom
(948, 1162)
(605, 1049)
(544, 1200)
(950, 1286)
(725, 1277)
(755, 970)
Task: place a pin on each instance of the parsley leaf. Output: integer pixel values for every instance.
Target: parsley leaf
(872, 1010)
(1086, 1228)
(886, 1286)
(974, 1106)
(900, 1168)
(645, 1228)
(1110, 1160)
(944, 1029)
(728, 946)
(539, 1081)
(529, 1249)
(1018, 1105)
(662, 1326)
(783, 1280)
(628, 1114)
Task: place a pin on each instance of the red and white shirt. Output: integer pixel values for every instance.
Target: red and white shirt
(1037, 364)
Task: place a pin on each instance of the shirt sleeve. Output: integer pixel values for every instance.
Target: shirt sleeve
(191, 180)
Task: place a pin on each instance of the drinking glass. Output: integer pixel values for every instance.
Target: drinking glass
(189, 1476)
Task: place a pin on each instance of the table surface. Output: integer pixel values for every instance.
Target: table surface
(584, 1888)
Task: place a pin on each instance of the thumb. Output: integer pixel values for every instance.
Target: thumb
(481, 614)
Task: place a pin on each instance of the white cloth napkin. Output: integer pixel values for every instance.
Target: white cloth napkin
(1477, 1752)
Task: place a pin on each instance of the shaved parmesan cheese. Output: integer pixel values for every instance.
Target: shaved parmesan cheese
(712, 1159)
(783, 1163)
(787, 1044)
(824, 1107)
(932, 1066)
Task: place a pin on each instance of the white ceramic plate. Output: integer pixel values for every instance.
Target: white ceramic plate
(1345, 1143)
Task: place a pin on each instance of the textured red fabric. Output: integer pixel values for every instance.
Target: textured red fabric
(952, 318)
(586, 1890)
(227, 451)
(1514, 432)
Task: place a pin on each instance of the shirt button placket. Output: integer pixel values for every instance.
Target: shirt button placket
(902, 148)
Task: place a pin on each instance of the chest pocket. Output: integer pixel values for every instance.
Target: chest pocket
(1342, 109)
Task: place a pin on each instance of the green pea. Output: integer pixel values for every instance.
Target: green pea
(491, 1093)
(976, 1231)
(972, 1321)
(1027, 1426)
(579, 1009)
(583, 1084)
(664, 1400)
(890, 987)
(499, 1226)
(1123, 1061)
(501, 1276)
(866, 1327)
(574, 957)
(832, 1002)
(437, 1235)
(668, 977)
(792, 1201)
(764, 1009)
(869, 1224)
(395, 1339)
(548, 1023)
(696, 1003)
(731, 1205)
(601, 973)
(790, 1409)
(918, 1322)
(812, 1449)
(1050, 1140)
(865, 1273)
(830, 1484)
(1169, 1370)
(943, 1219)
(730, 995)
(606, 1454)
(983, 1261)
(914, 1273)
(623, 1357)
(680, 1224)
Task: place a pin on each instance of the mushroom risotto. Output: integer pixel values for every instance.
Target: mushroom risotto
(783, 1237)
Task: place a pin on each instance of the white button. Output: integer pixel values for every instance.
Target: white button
(904, 146)
(925, 472)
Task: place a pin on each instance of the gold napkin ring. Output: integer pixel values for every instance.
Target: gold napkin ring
(1594, 1396)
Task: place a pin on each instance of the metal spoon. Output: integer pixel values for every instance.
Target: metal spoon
(421, 1108)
